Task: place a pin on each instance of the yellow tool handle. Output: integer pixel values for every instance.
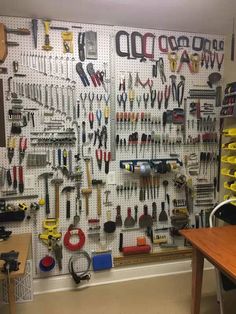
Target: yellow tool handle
(47, 26)
(99, 201)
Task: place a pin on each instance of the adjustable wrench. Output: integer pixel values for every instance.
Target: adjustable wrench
(73, 103)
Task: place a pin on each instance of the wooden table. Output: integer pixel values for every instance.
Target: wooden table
(20, 243)
(218, 246)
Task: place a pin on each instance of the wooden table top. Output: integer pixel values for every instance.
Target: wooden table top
(20, 243)
(217, 244)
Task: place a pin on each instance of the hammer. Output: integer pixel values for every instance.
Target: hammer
(46, 176)
(57, 183)
(87, 191)
(67, 190)
(98, 184)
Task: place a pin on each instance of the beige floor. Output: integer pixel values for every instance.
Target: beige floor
(161, 295)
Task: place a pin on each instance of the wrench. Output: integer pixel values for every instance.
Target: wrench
(67, 69)
(57, 99)
(56, 67)
(62, 68)
(72, 71)
(46, 96)
(45, 65)
(51, 98)
(68, 116)
(73, 103)
(50, 66)
(63, 100)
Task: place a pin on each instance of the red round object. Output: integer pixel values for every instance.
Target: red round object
(74, 246)
(47, 261)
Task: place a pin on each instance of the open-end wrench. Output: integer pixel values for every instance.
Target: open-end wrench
(73, 103)
(63, 100)
(50, 66)
(57, 100)
(68, 114)
(51, 98)
(40, 95)
(73, 71)
(44, 65)
(56, 67)
(67, 69)
(62, 68)
(46, 96)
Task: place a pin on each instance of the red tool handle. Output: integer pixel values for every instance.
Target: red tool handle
(93, 78)
(136, 249)
(129, 211)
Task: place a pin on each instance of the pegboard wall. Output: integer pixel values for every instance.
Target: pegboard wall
(53, 87)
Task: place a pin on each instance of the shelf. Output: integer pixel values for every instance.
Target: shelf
(229, 160)
(225, 172)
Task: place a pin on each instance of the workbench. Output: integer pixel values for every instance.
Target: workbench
(22, 244)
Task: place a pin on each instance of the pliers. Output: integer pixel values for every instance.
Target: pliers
(107, 159)
(94, 77)
(167, 95)
(122, 99)
(99, 158)
(91, 119)
(159, 99)
(22, 148)
(99, 116)
(145, 99)
(91, 98)
(153, 97)
(82, 74)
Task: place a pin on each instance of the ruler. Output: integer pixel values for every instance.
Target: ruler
(163, 255)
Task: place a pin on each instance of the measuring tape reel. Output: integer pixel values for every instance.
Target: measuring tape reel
(74, 246)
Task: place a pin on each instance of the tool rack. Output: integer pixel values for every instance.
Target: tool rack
(185, 144)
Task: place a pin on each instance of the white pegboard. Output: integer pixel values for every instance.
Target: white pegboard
(123, 66)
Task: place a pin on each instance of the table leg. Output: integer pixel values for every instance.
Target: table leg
(197, 271)
(11, 296)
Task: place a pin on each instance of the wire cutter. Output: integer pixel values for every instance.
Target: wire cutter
(11, 145)
(22, 148)
(145, 99)
(91, 119)
(122, 98)
(94, 77)
(107, 159)
(91, 99)
(153, 97)
(99, 116)
(99, 158)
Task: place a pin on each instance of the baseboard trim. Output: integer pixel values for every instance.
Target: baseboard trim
(121, 274)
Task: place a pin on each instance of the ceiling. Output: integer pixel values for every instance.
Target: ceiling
(201, 16)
